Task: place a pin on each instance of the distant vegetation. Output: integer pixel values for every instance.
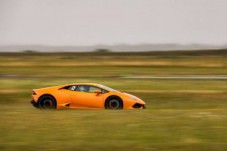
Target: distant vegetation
(102, 50)
(29, 51)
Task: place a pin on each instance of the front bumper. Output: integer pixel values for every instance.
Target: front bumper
(34, 103)
(139, 106)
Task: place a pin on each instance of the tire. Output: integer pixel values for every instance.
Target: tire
(114, 103)
(47, 102)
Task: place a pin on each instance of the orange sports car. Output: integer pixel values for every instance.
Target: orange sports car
(84, 95)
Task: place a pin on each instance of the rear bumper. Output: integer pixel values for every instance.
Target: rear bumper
(34, 103)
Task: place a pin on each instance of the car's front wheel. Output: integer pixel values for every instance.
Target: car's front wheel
(47, 102)
(114, 104)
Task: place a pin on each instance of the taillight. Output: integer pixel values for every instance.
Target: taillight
(33, 93)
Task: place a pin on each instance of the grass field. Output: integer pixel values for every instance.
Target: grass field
(181, 114)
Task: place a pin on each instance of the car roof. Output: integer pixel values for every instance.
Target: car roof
(94, 84)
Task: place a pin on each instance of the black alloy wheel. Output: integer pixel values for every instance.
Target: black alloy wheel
(114, 104)
(47, 102)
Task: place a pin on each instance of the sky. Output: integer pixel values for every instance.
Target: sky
(91, 22)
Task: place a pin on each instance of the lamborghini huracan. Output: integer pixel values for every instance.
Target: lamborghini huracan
(84, 96)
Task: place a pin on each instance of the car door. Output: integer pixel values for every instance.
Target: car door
(87, 97)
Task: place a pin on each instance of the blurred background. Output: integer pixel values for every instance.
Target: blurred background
(171, 54)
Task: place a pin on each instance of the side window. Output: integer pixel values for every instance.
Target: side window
(104, 91)
(90, 89)
(93, 89)
(83, 88)
(73, 88)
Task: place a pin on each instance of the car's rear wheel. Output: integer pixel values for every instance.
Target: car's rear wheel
(114, 104)
(47, 102)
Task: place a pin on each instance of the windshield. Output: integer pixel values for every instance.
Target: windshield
(107, 88)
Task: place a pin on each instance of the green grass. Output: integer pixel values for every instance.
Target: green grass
(25, 128)
(181, 115)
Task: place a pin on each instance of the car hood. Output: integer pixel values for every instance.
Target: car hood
(136, 99)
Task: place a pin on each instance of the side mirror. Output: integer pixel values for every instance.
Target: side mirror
(98, 92)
